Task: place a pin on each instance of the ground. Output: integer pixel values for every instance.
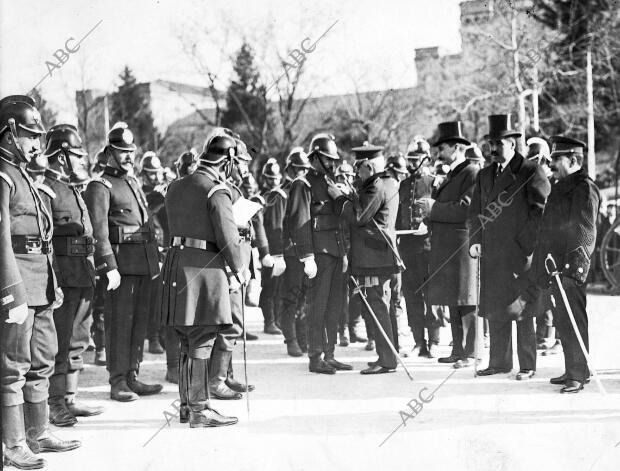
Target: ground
(303, 421)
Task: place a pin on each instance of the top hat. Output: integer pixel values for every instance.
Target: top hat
(451, 131)
(500, 128)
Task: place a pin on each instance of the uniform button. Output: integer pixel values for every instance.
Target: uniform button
(174, 283)
(580, 270)
(181, 247)
(567, 266)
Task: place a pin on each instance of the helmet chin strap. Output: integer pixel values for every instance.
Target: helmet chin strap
(13, 130)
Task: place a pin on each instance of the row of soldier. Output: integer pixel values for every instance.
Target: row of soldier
(329, 238)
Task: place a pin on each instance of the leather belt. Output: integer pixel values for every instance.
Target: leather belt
(129, 234)
(194, 243)
(74, 246)
(24, 244)
(325, 222)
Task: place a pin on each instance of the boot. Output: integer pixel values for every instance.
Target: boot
(331, 361)
(318, 365)
(272, 329)
(293, 349)
(235, 385)
(172, 375)
(60, 415)
(140, 388)
(155, 347)
(200, 412)
(344, 340)
(76, 409)
(370, 346)
(16, 452)
(120, 392)
(301, 334)
(100, 358)
(218, 372)
(183, 391)
(39, 438)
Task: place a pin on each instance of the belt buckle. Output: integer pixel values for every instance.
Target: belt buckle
(34, 246)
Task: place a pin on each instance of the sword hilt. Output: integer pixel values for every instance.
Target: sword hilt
(550, 265)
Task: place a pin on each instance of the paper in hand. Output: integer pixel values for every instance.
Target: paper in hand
(244, 210)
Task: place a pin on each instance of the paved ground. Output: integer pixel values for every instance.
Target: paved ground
(303, 421)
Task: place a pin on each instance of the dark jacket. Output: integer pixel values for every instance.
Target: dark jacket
(125, 238)
(453, 273)
(411, 189)
(260, 240)
(157, 211)
(505, 219)
(372, 218)
(24, 278)
(568, 229)
(273, 219)
(195, 287)
(73, 235)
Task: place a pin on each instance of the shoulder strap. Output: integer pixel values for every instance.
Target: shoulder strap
(302, 179)
(221, 186)
(45, 189)
(105, 182)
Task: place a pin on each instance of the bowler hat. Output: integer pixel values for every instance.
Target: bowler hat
(451, 131)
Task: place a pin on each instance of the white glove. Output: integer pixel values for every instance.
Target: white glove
(475, 251)
(60, 298)
(114, 279)
(18, 314)
(310, 268)
(241, 279)
(267, 261)
(279, 265)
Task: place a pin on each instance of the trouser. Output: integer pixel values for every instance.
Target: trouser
(420, 313)
(97, 328)
(325, 307)
(292, 297)
(544, 325)
(172, 346)
(153, 328)
(227, 338)
(378, 297)
(127, 309)
(463, 327)
(27, 361)
(575, 362)
(396, 309)
(500, 354)
(72, 322)
(268, 300)
(357, 311)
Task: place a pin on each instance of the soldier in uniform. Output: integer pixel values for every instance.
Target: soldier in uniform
(73, 247)
(195, 285)
(415, 245)
(126, 254)
(568, 233)
(314, 228)
(453, 273)
(295, 282)
(185, 164)
(372, 217)
(28, 292)
(505, 215)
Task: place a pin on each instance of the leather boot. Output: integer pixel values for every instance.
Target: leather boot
(218, 372)
(183, 388)
(155, 347)
(172, 375)
(60, 415)
(235, 385)
(140, 388)
(301, 334)
(318, 365)
(120, 392)
(331, 361)
(16, 452)
(200, 412)
(293, 349)
(39, 438)
(76, 409)
(272, 329)
(100, 358)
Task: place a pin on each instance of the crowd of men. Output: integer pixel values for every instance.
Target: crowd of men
(470, 232)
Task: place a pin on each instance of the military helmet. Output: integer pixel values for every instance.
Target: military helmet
(325, 145)
(418, 148)
(249, 184)
(271, 169)
(298, 158)
(120, 137)
(345, 168)
(150, 162)
(19, 111)
(219, 146)
(63, 137)
(398, 163)
(242, 151)
(538, 149)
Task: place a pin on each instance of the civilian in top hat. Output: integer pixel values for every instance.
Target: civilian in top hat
(505, 215)
(568, 233)
(453, 273)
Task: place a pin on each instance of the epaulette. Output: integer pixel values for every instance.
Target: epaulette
(258, 199)
(303, 179)
(105, 182)
(161, 188)
(280, 191)
(45, 189)
(8, 180)
(220, 186)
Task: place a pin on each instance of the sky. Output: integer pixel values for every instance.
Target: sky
(370, 46)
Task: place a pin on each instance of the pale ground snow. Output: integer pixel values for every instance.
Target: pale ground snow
(303, 421)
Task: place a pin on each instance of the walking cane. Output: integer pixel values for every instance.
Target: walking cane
(385, 336)
(476, 326)
(245, 355)
(552, 270)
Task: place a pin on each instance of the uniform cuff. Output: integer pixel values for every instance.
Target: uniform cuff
(105, 264)
(13, 296)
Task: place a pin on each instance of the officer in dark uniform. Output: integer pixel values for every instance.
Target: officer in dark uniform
(372, 217)
(295, 283)
(74, 247)
(314, 228)
(27, 292)
(414, 244)
(568, 233)
(126, 253)
(195, 288)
